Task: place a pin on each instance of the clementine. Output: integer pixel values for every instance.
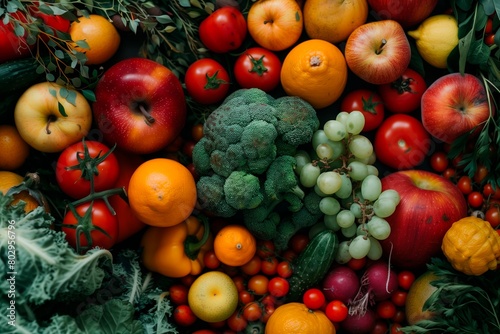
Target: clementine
(316, 71)
(162, 192)
(296, 318)
(96, 37)
(13, 149)
(10, 179)
(234, 245)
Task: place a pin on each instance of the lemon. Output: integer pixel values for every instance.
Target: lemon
(436, 37)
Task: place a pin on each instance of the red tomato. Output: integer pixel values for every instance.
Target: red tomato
(239, 281)
(357, 264)
(258, 284)
(439, 161)
(269, 266)
(178, 293)
(369, 103)
(386, 309)
(278, 287)
(252, 311)
(265, 248)
(245, 297)
(298, 242)
(197, 132)
(184, 316)
(80, 162)
(313, 298)
(12, 46)
(404, 94)
(224, 30)
(94, 226)
(492, 216)
(284, 269)
(253, 266)
(258, 68)
(464, 184)
(380, 327)
(237, 321)
(336, 311)
(398, 297)
(405, 279)
(475, 199)
(210, 260)
(401, 142)
(207, 81)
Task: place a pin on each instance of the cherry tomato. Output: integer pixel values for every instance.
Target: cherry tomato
(369, 103)
(178, 294)
(357, 264)
(336, 311)
(489, 39)
(284, 269)
(464, 184)
(197, 132)
(210, 260)
(204, 331)
(400, 316)
(188, 280)
(475, 199)
(207, 81)
(268, 311)
(439, 161)
(252, 311)
(93, 226)
(184, 316)
(480, 174)
(80, 162)
(239, 281)
(258, 284)
(258, 68)
(269, 266)
(253, 266)
(488, 28)
(380, 327)
(289, 255)
(313, 298)
(386, 309)
(246, 297)
(404, 94)
(401, 142)
(398, 297)
(395, 328)
(187, 148)
(449, 173)
(224, 30)
(298, 242)
(278, 287)
(237, 321)
(405, 279)
(265, 248)
(491, 192)
(492, 216)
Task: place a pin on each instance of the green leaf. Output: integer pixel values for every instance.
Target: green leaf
(83, 44)
(164, 19)
(12, 7)
(19, 29)
(89, 95)
(76, 82)
(184, 3)
(71, 97)
(59, 54)
(479, 52)
(61, 109)
(50, 77)
(57, 10)
(489, 6)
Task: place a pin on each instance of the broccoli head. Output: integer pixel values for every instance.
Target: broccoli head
(242, 190)
(281, 178)
(210, 192)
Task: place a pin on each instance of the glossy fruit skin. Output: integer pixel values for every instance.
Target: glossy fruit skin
(297, 318)
(258, 68)
(224, 30)
(401, 142)
(56, 22)
(13, 46)
(207, 81)
(102, 222)
(313, 298)
(407, 12)
(75, 182)
(419, 292)
(369, 103)
(404, 94)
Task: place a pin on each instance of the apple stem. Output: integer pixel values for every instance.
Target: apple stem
(149, 119)
(381, 47)
(50, 119)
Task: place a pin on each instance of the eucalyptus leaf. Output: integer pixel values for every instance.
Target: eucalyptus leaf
(19, 29)
(82, 44)
(71, 97)
(184, 3)
(50, 77)
(40, 69)
(133, 24)
(61, 109)
(57, 10)
(59, 54)
(12, 7)
(89, 95)
(164, 19)
(63, 92)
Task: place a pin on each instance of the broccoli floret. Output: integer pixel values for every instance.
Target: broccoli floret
(242, 190)
(262, 223)
(281, 178)
(201, 158)
(247, 96)
(257, 141)
(210, 190)
(297, 120)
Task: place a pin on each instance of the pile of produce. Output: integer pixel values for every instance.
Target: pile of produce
(249, 166)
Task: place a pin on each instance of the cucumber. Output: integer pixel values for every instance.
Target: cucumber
(18, 75)
(312, 264)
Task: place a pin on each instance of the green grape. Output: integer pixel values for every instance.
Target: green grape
(358, 170)
(331, 222)
(345, 218)
(361, 230)
(301, 158)
(375, 251)
(329, 206)
(335, 130)
(360, 146)
(350, 231)
(384, 207)
(337, 147)
(355, 122)
(359, 247)
(319, 192)
(319, 137)
(309, 175)
(371, 187)
(378, 228)
(355, 208)
(392, 194)
(342, 117)
(329, 182)
(346, 187)
(343, 256)
(324, 151)
(372, 170)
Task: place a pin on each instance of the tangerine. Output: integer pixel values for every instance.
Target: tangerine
(316, 71)
(101, 38)
(296, 318)
(234, 245)
(162, 192)
(13, 149)
(10, 179)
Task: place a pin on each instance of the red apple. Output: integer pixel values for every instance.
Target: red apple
(407, 12)
(378, 52)
(139, 105)
(13, 46)
(453, 105)
(429, 205)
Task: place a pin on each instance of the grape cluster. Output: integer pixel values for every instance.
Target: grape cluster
(341, 170)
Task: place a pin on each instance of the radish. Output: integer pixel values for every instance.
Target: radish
(378, 282)
(341, 283)
(359, 324)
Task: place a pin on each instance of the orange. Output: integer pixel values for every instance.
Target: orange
(296, 318)
(316, 71)
(101, 37)
(234, 245)
(10, 179)
(13, 149)
(162, 192)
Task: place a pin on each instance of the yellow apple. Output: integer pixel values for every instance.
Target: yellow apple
(213, 296)
(50, 117)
